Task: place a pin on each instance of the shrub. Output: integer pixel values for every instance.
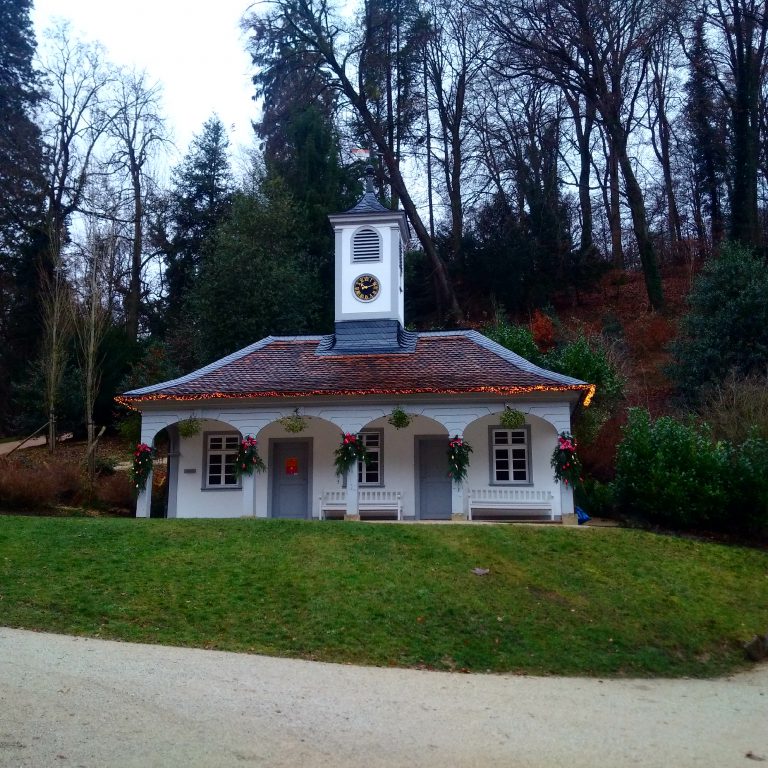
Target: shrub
(116, 492)
(671, 472)
(594, 497)
(738, 408)
(726, 328)
(591, 359)
(747, 487)
(516, 338)
(24, 486)
(106, 465)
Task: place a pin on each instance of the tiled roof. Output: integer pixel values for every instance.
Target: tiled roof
(443, 362)
(368, 203)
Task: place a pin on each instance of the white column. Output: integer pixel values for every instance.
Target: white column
(566, 500)
(249, 492)
(458, 494)
(144, 500)
(353, 510)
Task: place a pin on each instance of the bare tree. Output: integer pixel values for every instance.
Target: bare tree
(455, 55)
(305, 25)
(75, 119)
(91, 321)
(138, 132)
(56, 302)
(662, 87)
(600, 50)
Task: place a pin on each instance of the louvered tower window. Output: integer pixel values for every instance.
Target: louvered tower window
(366, 246)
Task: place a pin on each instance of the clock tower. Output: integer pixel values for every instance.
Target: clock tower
(370, 245)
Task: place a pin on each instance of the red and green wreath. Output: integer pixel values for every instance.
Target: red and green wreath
(458, 459)
(248, 458)
(565, 460)
(351, 450)
(143, 457)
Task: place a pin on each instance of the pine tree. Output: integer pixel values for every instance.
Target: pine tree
(199, 201)
(20, 193)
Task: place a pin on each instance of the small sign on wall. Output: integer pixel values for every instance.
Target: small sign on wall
(291, 466)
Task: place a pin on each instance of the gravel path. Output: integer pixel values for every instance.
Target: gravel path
(68, 701)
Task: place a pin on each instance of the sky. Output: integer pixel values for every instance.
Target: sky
(194, 49)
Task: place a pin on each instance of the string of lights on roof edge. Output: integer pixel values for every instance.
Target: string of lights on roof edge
(128, 402)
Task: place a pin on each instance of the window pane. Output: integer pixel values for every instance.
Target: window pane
(502, 475)
(500, 437)
(232, 443)
(215, 443)
(518, 437)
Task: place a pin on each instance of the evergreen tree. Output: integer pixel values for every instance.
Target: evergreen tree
(726, 329)
(20, 194)
(302, 151)
(198, 202)
(256, 280)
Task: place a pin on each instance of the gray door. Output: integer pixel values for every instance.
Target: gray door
(290, 479)
(434, 483)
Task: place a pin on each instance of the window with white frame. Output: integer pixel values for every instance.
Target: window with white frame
(220, 459)
(366, 246)
(370, 473)
(510, 455)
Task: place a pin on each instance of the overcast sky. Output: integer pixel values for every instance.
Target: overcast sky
(195, 49)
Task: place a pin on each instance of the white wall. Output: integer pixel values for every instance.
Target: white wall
(543, 440)
(434, 416)
(192, 500)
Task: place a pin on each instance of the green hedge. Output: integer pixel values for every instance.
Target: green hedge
(673, 473)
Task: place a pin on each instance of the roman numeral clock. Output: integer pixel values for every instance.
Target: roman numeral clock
(366, 287)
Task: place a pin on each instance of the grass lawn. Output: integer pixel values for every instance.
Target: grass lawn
(556, 601)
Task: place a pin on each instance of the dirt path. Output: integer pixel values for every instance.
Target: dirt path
(89, 703)
(9, 446)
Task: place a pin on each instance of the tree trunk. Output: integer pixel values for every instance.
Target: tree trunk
(133, 300)
(614, 210)
(583, 135)
(640, 226)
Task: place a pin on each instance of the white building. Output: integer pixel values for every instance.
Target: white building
(449, 383)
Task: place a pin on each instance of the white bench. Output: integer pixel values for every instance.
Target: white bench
(512, 500)
(369, 500)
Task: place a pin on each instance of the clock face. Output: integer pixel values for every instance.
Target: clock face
(366, 287)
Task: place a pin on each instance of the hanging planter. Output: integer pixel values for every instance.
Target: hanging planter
(294, 423)
(399, 419)
(349, 453)
(511, 418)
(248, 458)
(565, 461)
(189, 427)
(143, 458)
(458, 459)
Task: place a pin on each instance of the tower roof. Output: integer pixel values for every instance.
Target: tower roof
(368, 203)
